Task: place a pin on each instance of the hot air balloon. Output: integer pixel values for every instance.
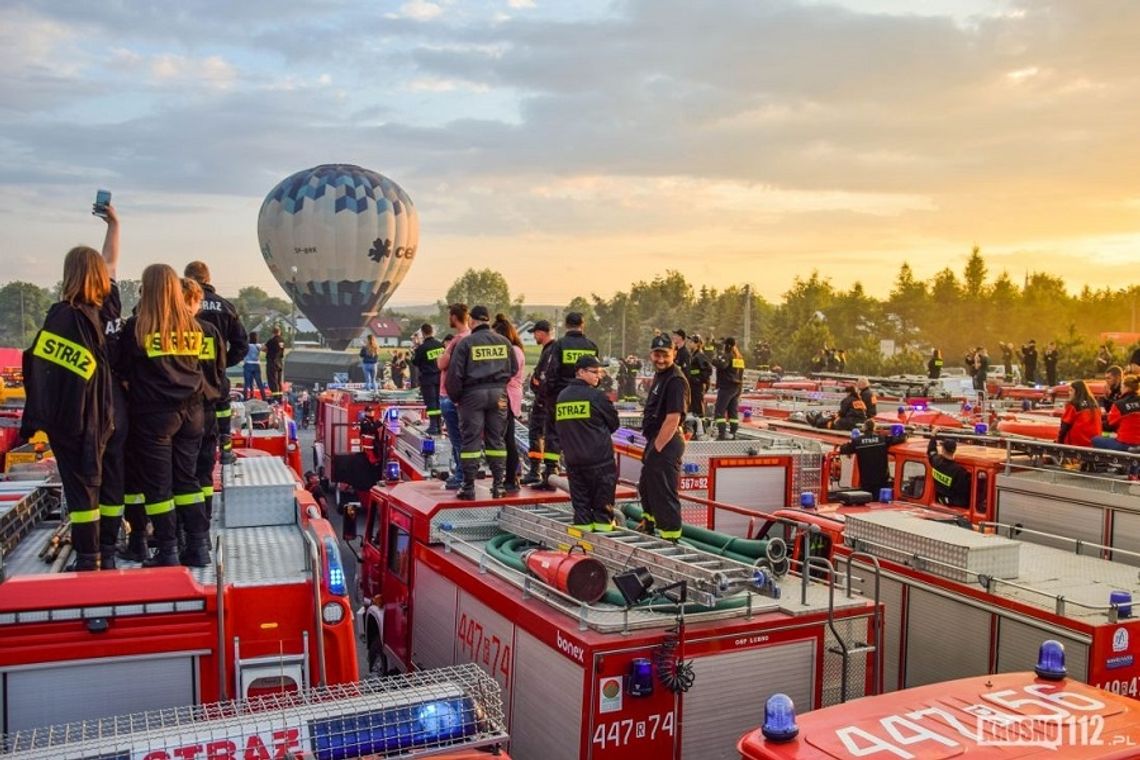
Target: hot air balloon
(339, 239)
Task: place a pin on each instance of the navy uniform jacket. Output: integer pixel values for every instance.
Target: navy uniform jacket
(585, 419)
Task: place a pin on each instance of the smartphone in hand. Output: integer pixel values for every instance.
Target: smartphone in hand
(102, 199)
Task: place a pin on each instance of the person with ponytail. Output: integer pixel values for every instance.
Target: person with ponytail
(159, 357)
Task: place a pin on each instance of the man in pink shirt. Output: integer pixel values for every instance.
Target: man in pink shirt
(458, 322)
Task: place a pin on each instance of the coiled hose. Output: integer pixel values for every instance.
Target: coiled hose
(721, 544)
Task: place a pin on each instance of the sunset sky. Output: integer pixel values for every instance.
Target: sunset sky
(579, 145)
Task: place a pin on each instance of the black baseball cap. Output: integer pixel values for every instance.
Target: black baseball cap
(540, 325)
(680, 333)
(587, 361)
(660, 343)
(480, 313)
(574, 319)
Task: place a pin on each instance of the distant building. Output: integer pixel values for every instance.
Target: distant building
(386, 330)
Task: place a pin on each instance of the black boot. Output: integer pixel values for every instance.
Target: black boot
(721, 435)
(467, 490)
(135, 550)
(165, 556)
(107, 557)
(544, 483)
(83, 563)
(732, 428)
(197, 552)
(497, 478)
(226, 449)
(532, 477)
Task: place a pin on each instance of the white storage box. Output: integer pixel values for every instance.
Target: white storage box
(258, 491)
(956, 553)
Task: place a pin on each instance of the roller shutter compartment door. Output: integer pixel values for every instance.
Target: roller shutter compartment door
(1055, 517)
(945, 639)
(546, 702)
(1018, 643)
(890, 596)
(1126, 535)
(91, 690)
(433, 626)
(729, 689)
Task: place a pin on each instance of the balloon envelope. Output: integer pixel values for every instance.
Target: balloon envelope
(339, 239)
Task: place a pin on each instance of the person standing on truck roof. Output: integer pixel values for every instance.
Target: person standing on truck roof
(586, 419)
(536, 423)
(981, 368)
(477, 375)
(557, 372)
(1081, 420)
(503, 326)
(868, 397)
(112, 489)
(369, 360)
(398, 366)
(664, 445)
(681, 356)
(951, 480)
(870, 452)
(1123, 419)
(159, 358)
(457, 320)
(1006, 360)
(275, 365)
(1051, 356)
(213, 361)
(1103, 359)
(67, 382)
(251, 369)
(729, 379)
(1029, 362)
(934, 365)
(221, 314)
(424, 360)
(699, 373)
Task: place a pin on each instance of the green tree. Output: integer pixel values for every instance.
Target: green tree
(905, 308)
(23, 306)
(484, 286)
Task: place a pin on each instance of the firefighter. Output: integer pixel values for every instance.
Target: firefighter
(275, 365)
(424, 361)
(221, 314)
(112, 497)
(68, 385)
(628, 369)
(934, 364)
(370, 434)
(159, 357)
(852, 413)
(870, 452)
(477, 376)
(1029, 362)
(1112, 389)
(665, 407)
(951, 480)
(1081, 420)
(557, 371)
(1051, 356)
(213, 360)
(1123, 418)
(867, 396)
(586, 419)
(699, 373)
(729, 379)
(537, 419)
(681, 355)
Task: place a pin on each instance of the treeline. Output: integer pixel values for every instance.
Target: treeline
(23, 306)
(953, 311)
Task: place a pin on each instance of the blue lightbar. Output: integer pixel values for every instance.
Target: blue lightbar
(334, 569)
(395, 729)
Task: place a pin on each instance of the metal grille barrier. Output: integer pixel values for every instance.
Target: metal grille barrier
(412, 715)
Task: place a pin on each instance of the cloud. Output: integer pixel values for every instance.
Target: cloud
(419, 10)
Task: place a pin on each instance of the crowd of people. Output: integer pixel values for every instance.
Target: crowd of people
(135, 406)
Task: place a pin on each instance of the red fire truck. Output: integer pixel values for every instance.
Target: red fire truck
(451, 714)
(338, 416)
(270, 615)
(602, 679)
(1039, 714)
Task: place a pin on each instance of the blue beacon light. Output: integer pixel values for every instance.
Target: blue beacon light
(641, 677)
(1051, 661)
(779, 719)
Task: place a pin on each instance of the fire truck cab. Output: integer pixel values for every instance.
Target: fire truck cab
(1021, 715)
